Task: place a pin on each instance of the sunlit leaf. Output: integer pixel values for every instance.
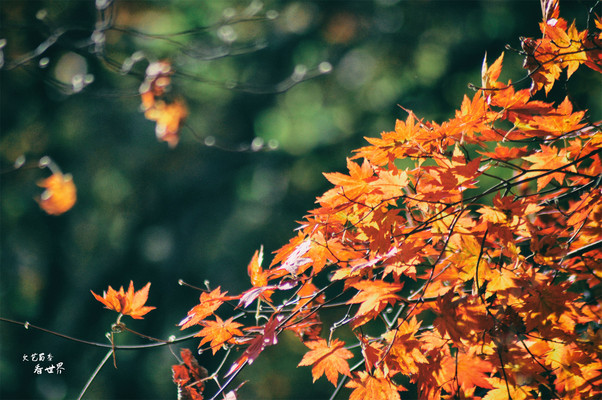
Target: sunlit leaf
(127, 303)
(327, 358)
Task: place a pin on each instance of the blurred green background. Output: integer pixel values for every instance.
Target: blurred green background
(149, 213)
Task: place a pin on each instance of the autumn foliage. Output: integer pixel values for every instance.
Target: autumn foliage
(472, 246)
(464, 258)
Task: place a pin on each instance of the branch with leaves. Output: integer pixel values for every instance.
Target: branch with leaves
(487, 292)
(463, 258)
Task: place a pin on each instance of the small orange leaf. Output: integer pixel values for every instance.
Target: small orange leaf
(208, 303)
(60, 194)
(503, 391)
(547, 160)
(373, 387)
(328, 359)
(258, 276)
(130, 303)
(490, 75)
(259, 280)
(219, 332)
(373, 297)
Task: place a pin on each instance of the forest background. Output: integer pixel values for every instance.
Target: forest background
(197, 212)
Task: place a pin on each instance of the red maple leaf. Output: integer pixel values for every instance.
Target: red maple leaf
(268, 336)
(189, 377)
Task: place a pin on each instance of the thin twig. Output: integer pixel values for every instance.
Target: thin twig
(96, 371)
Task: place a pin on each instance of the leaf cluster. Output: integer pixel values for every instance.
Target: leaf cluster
(480, 236)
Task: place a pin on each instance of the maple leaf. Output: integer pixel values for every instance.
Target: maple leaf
(130, 303)
(208, 304)
(461, 317)
(296, 259)
(468, 370)
(561, 47)
(373, 297)
(329, 358)
(405, 353)
(373, 387)
(502, 391)
(60, 194)
(493, 311)
(348, 187)
(594, 43)
(549, 158)
(292, 257)
(256, 273)
(490, 75)
(189, 376)
(219, 332)
(259, 279)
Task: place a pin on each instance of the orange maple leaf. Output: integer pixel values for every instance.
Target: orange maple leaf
(130, 303)
(329, 359)
(469, 369)
(405, 353)
(219, 332)
(60, 194)
(373, 387)
(373, 297)
(348, 187)
(490, 75)
(256, 273)
(503, 392)
(208, 303)
(548, 159)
